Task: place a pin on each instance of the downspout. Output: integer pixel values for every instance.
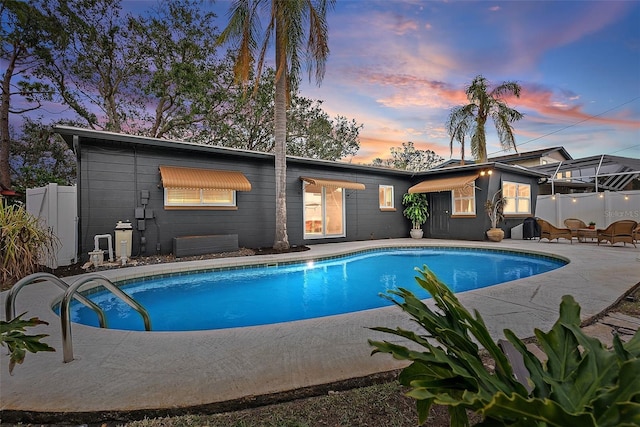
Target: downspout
(78, 221)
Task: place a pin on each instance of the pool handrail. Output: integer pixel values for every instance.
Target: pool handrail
(10, 308)
(65, 312)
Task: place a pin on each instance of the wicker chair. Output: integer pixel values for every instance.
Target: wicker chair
(619, 231)
(573, 224)
(550, 232)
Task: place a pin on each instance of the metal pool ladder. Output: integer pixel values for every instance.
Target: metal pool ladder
(65, 304)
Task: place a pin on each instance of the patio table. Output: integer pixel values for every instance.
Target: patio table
(587, 233)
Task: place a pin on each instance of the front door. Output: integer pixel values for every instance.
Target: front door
(440, 214)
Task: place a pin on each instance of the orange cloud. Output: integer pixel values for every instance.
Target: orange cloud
(372, 147)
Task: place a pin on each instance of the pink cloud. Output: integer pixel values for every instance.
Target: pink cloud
(564, 109)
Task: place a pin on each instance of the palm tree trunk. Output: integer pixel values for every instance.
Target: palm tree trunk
(5, 139)
(281, 241)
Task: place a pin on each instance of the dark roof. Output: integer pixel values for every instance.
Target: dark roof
(517, 169)
(69, 133)
(511, 158)
(535, 154)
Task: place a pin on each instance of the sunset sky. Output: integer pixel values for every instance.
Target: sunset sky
(399, 66)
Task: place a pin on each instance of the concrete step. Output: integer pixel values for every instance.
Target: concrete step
(624, 320)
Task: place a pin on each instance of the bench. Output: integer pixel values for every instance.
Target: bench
(208, 244)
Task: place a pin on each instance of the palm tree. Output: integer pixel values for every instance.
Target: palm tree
(470, 119)
(287, 19)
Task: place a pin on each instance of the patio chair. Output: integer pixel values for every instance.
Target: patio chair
(550, 232)
(573, 224)
(619, 231)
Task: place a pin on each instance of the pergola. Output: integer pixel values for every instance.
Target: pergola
(596, 173)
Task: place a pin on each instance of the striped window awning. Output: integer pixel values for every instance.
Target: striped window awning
(182, 177)
(333, 183)
(443, 184)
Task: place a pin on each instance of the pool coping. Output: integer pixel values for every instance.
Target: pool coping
(127, 373)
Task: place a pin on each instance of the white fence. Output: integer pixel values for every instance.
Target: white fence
(602, 208)
(57, 207)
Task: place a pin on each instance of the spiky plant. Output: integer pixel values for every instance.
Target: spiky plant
(25, 243)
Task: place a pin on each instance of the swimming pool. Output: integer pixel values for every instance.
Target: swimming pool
(264, 295)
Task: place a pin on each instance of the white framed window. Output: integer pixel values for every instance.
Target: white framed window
(566, 175)
(324, 214)
(517, 198)
(385, 197)
(199, 197)
(463, 200)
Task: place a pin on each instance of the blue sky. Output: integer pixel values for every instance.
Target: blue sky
(399, 66)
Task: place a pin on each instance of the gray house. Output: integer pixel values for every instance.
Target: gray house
(173, 191)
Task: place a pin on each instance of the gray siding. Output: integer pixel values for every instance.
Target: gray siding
(115, 170)
(112, 179)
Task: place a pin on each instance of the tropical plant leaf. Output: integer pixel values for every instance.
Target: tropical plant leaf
(423, 407)
(534, 409)
(621, 403)
(533, 365)
(633, 345)
(13, 335)
(581, 381)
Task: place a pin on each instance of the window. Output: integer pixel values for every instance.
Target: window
(194, 197)
(464, 200)
(566, 175)
(517, 198)
(193, 188)
(323, 211)
(385, 196)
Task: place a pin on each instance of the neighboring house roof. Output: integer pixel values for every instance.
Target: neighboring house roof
(613, 172)
(513, 158)
(535, 154)
(479, 167)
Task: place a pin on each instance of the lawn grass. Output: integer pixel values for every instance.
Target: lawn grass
(380, 405)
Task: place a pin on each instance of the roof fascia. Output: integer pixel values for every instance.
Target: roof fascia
(520, 170)
(68, 133)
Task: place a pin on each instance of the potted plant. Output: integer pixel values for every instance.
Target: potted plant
(417, 211)
(493, 208)
(592, 225)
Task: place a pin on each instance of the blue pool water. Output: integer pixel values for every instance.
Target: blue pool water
(265, 295)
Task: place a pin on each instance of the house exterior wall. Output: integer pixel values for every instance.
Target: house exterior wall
(511, 221)
(113, 177)
(119, 180)
(475, 227)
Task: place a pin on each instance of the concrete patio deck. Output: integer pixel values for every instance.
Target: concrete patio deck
(119, 374)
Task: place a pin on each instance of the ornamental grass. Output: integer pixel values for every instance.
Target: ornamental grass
(26, 243)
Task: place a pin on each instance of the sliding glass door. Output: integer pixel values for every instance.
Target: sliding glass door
(323, 211)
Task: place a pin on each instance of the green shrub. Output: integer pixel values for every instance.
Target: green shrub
(582, 383)
(24, 243)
